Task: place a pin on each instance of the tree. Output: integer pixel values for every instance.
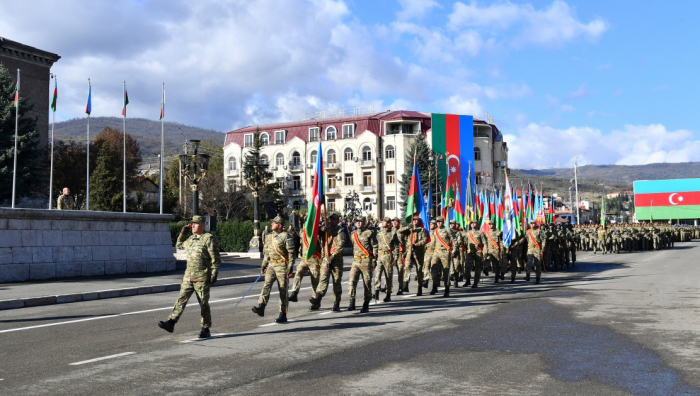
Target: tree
(269, 193)
(422, 153)
(28, 152)
(69, 170)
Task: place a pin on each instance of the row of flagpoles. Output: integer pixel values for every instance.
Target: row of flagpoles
(88, 110)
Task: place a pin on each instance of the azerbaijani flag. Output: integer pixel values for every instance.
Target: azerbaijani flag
(55, 94)
(414, 201)
(484, 227)
(88, 107)
(673, 198)
(313, 217)
(126, 102)
(458, 210)
(162, 106)
(508, 226)
(550, 212)
(602, 213)
(16, 102)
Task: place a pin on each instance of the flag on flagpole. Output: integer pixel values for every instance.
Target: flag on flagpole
(430, 200)
(55, 95)
(458, 210)
(313, 218)
(162, 106)
(126, 102)
(88, 107)
(16, 101)
(508, 230)
(469, 201)
(484, 226)
(602, 213)
(415, 202)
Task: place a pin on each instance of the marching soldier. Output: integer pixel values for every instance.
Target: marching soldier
(493, 250)
(429, 249)
(312, 265)
(331, 265)
(416, 238)
(364, 260)
(476, 241)
(65, 201)
(400, 261)
(457, 269)
(442, 256)
(278, 257)
(511, 257)
(203, 260)
(535, 245)
(388, 247)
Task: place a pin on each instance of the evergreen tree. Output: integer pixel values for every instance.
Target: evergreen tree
(106, 192)
(28, 152)
(269, 195)
(421, 151)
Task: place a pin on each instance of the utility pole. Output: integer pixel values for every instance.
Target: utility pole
(576, 182)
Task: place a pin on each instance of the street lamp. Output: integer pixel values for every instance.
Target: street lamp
(194, 167)
(576, 182)
(256, 178)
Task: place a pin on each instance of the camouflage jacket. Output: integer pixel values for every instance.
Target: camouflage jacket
(495, 241)
(279, 248)
(388, 241)
(430, 246)
(480, 239)
(202, 252)
(416, 236)
(65, 202)
(535, 238)
(336, 242)
(443, 237)
(364, 244)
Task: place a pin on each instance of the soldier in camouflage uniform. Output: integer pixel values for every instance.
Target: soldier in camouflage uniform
(312, 265)
(388, 247)
(442, 256)
(203, 261)
(416, 238)
(536, 242)
(331, 265)
(65, 201)
(365, 250)
(429, 249)
(511, 257)
(401, 260)
(493, 250)
(601, 236)
(278, 257)
(457, 262)
(476, 241)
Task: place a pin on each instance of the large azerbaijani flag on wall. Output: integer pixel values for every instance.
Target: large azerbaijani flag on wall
(668, 199)
(453, 135)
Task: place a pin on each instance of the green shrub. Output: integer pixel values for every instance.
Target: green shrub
(233, 236)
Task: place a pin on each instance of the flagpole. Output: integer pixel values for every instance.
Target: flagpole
(124, 153)
(53, 124)
(162, 149)
(88, 110)
(14, 172)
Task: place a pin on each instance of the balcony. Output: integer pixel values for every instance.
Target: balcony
(368, 188)
(292, 192)
(296, 168)
(232, 172)
(333, 190)
(367, 163)
(331, 165)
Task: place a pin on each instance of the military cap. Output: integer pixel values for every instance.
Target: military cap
(334, 216)
(533, 221)
(453, 221)
(491, 222)
(433, 222)
(396, 219)
(440, 219)
(198, 219)
(278, 219)
(416, 217)
(360, 218)
(387, 219)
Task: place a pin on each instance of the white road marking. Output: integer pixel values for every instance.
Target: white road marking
(102, 358)
(326, 313)
(273, 323)
(204, 339)
(410, 295)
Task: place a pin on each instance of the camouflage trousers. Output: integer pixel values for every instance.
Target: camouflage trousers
(426, 264)
(201, 289)
(475, 260)
(414, 261)
(335, 269)
(385, 265)
(494, 259)
(457, 264)
(534, 259)
(313, 267)
(360, 267)
(400, 268)
(275, 272)
(511, 261)
(440, 265)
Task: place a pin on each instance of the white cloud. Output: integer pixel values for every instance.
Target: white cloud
(581, 92)
(551, 26)
(538, 146)
(415, 9)
(458, 104)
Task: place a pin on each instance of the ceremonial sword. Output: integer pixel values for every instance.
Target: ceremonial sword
(246, 293)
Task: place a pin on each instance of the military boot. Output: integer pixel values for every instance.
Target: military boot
(447, 291)
(204, 333)
(512, 278)
(434, 290)
(400, 292)
(495, 279)
(376, 295)
(293, 296)
(365, 307)
(537, 279)
(405, 287)
(527, 278)
(425, 283)
(456, 282)
(502, 276)
(260, 310)
(420, 290)
(282, 318)
(387, 298)
(316, 301)
(168, 325)
(351, 306)
(336, 306)
(468, 282)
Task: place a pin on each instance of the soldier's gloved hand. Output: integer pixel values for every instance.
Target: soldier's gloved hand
(214, 275)
(263, 270)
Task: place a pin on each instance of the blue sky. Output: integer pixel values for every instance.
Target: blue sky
(557, 76)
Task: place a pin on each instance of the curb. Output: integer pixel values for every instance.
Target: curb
(115, 293)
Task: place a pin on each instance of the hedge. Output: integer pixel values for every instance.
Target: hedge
(233, 236)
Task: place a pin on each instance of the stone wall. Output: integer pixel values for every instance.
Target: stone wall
(45, 244)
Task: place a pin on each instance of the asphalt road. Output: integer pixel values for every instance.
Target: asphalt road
(616, 324)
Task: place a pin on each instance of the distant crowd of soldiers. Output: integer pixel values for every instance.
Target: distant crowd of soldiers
(632, 237)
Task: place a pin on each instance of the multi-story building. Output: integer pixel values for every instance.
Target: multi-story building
(363, 153)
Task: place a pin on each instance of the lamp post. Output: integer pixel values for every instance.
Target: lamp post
(256, 178)
(576, 181)
(194, 168)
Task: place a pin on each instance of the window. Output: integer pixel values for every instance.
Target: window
(313, 134)
(281, 184)
(400, 128)
(264, 159)
(314, 157)
(232, 163)
(477, 154)
(347, 154)
(390, 179)
(330, 202)
(248, 142)
(296, 183)
(389, 152)
(367, 204)
(477, 180)
(390, 203)
(331, 181)
(296, 158)
(367, 179)
(296, 205)
(264, 139)
(349, 179)
(232, 185)
(331, 156)
(331, 133)
(366, 153)
(279, 159)
(348, 131)
(279, 137)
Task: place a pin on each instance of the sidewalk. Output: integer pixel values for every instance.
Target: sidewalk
(233, 270)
